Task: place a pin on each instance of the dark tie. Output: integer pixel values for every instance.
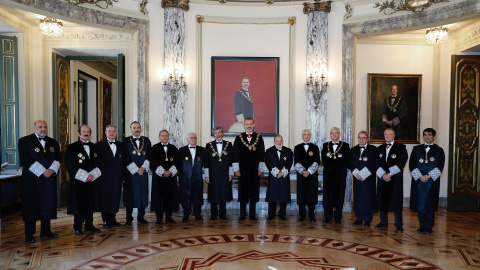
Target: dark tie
(137, 139)
(362, 147)
(219, 142)
(41, 139)
(84, 143)
(335, 143)
(305, 143)
(427, 146)
(388, 145)
(111, 142)
(193, 147)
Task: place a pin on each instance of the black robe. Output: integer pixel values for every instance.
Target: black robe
(248, 155)
(364, 192)
(111, 179)
(390, 194)
(395, 113)
(38, 192)
(430, 190)
(334, 174)
(164, 186)
(135, 187)
(219, 188)
(79, 192)
(243, 105)
(307, 187)
(190, 177)
(278, 189)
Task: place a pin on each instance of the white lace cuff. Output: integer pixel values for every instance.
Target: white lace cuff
(384, 118)
(235, 167)
(285, 172)
(55, 166)
(394, 170)
(159, 171)
(230, 171)
(173, 170)
(274, 172)
(261, 166)
(380, 172)
(312, 169)
(81, 175)
(365, 173)
(416, 174)
(206, 172)
(132, 168)
(299, 168)
(396, 121)
(435, 174)
(96, 173)
(37, 169)
(355, 172)
(146, 165)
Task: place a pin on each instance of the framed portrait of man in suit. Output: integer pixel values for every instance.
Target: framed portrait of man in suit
(394, 102)
(245, 87)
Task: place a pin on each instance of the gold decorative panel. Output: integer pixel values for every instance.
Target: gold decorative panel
(8, 46)
(63, 86)
(466, 176)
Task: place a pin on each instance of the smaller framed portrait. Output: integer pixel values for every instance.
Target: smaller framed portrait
(104, 107)
(394, 102)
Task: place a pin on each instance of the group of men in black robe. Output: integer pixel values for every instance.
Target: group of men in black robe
(97, 171)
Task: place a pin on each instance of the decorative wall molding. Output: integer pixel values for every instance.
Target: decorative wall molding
(93, 36)
(348, 12)
(420, 41)
(467, 40)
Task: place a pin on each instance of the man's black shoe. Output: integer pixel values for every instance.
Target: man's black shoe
(170, 220)
(29, 239)
(78, 232)
(159, 221)
(212, 218)
(224, 218)
(128, 223)
(106, 225)
(301, 219)
(242, 218)
(142, 220)
(428, 231)
(270, 218)
(357, 222)
(283, 218)
(115, 224)
(198, 218)
(253, 218)
(326, 221)
(399, 229)
(185, 219)
(49, 235)
(421, 230)
(367, 224)
(92, 229)
(380, 225)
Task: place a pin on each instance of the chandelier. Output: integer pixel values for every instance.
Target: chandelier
(50, 27)
(437, 35)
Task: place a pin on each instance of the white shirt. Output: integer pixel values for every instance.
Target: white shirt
(219, 146)
(335, 146)
(279, 152)
(137, 142)
(428, 149)
(86, 147)
(305, 146)
(113, 146)
(363, 149)
(42, 142)
(193, 150)
(249, 139)
(388, 150)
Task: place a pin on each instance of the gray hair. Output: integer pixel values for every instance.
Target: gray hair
(190, 133)
(163, 130)
(35, 123)
(306, 130)
(108, 126)
(217, 127)
(336, 128)
(364, 132)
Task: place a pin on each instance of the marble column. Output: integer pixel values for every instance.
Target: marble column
(174, 53)
(317, 61)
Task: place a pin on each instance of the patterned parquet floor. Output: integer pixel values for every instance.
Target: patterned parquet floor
(455, 244)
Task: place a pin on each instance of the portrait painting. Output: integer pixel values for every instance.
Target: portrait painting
(245, 87)
(104, 107)
(394, 102)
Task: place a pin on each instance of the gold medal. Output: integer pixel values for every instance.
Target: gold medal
(186, 158)
(166, 159)
(139, 154)
(44, 150)
(220, 160)
(134, 152)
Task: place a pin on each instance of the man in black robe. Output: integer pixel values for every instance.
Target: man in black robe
(163, 158)
(307, 160)
(392, 157)
(190, 164)
(81, 159)
(334, 157)
(363, 165)
(135, 151)
(249, 150)
(243, 102)
(426, 165)
(218, 171)
(279, 160)
(111, 165)
(394, 111)
(40, 158)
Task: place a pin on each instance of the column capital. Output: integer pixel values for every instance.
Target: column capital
(180, 4)
(317, 6)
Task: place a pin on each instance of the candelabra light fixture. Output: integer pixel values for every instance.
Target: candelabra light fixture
(437, 35)
(51, 27)
(317, 87)
(175, 85)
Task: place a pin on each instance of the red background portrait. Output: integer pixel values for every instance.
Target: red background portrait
(227, 75)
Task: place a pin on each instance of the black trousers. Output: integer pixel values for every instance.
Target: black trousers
(272, 209)
(252, 209)
(426, 219)
(303, 210)
(140, 215)
(222, 211)
(398, 218)
(109, 217)
(329, 212)
(30, 227)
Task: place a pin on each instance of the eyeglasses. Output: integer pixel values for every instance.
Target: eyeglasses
(192, 138)
(363, 138)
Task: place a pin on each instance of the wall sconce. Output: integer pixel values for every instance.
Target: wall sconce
(175, 85)
(51, 27)
(317, 87)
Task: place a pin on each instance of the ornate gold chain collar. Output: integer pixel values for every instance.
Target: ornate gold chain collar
(334, 154)
(137, 151)
(250, 146)
(244, 93)
(393, 107)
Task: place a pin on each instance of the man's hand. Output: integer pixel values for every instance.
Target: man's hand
(390, 123)
(305, 173)
(280, 175)
(386, 177)
(207, 180)
(424, 178)
(230, 178)
(260, 173)
(237, 173)
(166, 173)
(359, 177)
(48, 172)
(140, 171)
(90, 178)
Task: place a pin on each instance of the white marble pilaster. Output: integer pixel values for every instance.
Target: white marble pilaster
(174, 52)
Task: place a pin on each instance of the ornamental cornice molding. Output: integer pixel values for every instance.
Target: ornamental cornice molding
(394, 41)
(93, 36)
(467, 40)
